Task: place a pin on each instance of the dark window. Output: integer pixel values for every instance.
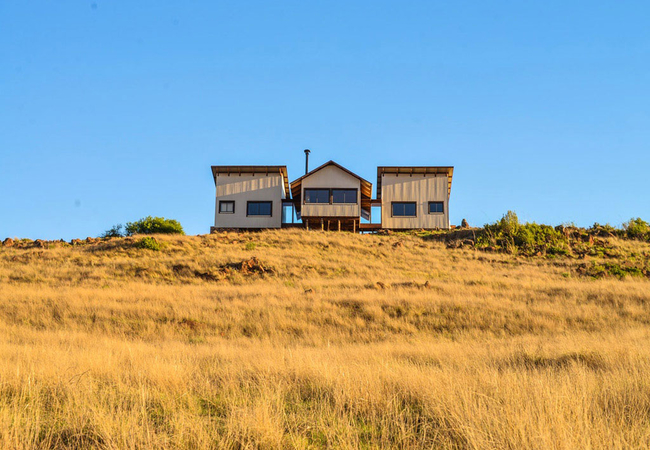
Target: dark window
(403, 209)
(317, 195)
(344, 195)
(258, 209)
(226, 207)
(436, 207)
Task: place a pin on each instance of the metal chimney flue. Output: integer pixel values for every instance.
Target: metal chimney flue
(307, 152)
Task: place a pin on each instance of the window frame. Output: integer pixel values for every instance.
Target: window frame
(249, 202)
(439, 203)
(356, 196)
(392, 209)
(329, 196)
(223, 202)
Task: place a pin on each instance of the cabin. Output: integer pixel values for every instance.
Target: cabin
(414, 197)
(249, 197)
(331, 197)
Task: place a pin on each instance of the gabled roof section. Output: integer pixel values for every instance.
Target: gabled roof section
(415, 170)
(298, 182)
(266, 170)
(366, 186)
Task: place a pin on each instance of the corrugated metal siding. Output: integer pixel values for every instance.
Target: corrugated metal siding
(244, 188)
(331, 177)
(420, 189)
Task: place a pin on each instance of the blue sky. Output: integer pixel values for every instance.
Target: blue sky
(115, 110)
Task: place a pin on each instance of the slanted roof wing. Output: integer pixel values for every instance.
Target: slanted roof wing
(282, 170)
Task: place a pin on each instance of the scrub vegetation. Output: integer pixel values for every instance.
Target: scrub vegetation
(309, 339)
(147, 225)
(510, 236)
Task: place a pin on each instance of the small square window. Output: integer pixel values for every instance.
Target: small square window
(436, 207)
(226, 207)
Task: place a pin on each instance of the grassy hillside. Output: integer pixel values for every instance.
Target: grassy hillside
(309, 339)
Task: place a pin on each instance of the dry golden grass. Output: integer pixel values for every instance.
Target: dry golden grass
(348, 341)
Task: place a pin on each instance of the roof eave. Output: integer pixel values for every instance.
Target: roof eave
(329, 163)
(448, 170)
(282, 170)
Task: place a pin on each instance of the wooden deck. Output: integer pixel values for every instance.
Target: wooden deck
(333, 226)
(369, 226)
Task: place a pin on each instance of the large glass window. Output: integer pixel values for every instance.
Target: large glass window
(403, 209)
(436, 207)
(226, 207)
(317, 195)
(344, 195)
(258, 208)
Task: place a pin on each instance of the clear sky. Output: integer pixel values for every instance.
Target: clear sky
(115, 110)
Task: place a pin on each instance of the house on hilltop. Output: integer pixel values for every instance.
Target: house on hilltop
(331, 197)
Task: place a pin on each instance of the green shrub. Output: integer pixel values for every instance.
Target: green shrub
(509, 223)
(554, 250)
(149, 243)
(637, 229)
(597, 270)
(153, 225)
(115, 231)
